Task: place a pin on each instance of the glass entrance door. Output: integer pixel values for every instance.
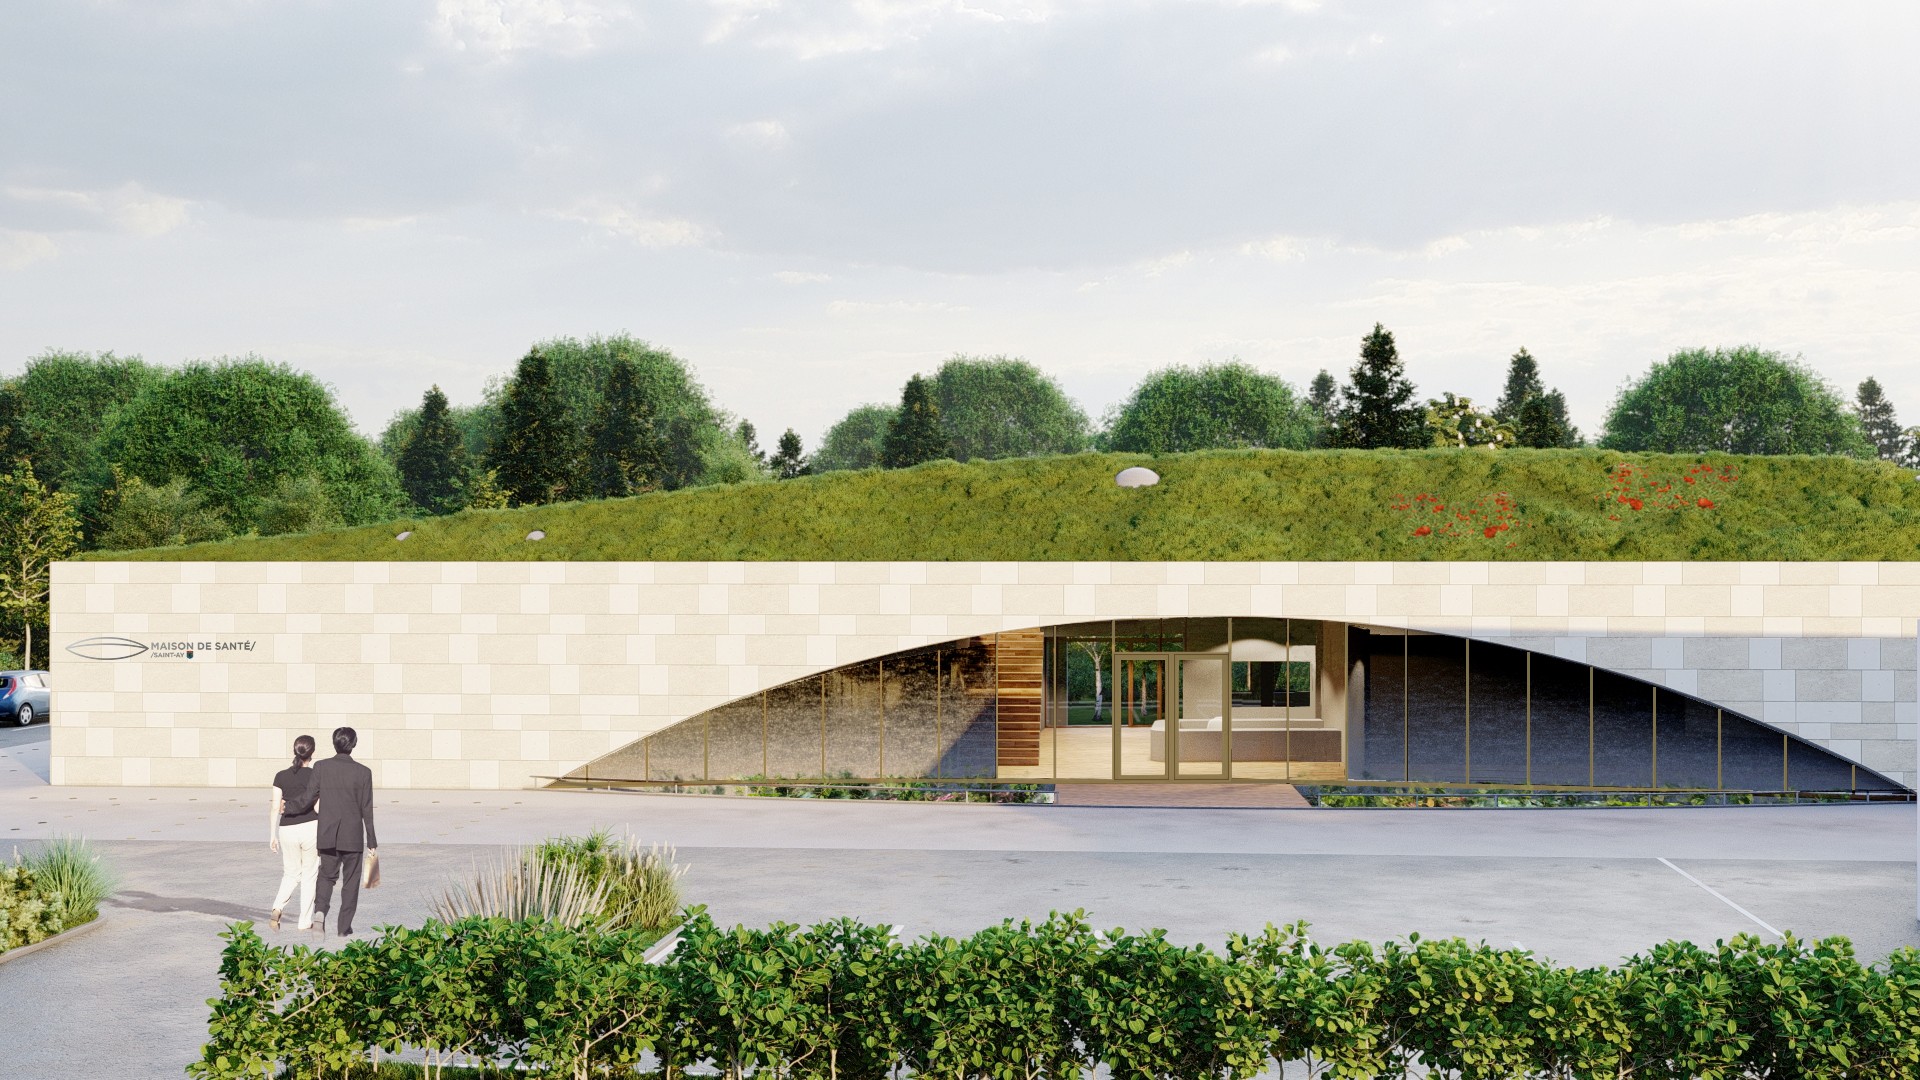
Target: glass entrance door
(1173, 717)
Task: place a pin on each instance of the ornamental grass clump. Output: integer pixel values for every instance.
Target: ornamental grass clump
(73, 877)
(522, 887)
(642, 883)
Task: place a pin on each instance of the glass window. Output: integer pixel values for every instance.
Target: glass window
(1750, 755)
(1622, 731)
(1810, 768)
(1383, 744)
(967, 744)
(736, 742)
(679, 752)
(1436, 708)
(1561, 749)
(1688, 740)
(1497, 714)
(853, 721)
(912, 686)
(793, 730)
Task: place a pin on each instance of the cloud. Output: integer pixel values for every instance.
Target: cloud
(800, 277)
(498, 28)
(869, 307)
(128, 208)
(643, 229)
(19, 250)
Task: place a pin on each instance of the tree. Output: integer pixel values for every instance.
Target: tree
(1377, 409)
(858, 441)
(1323, 398)
(1878, 422)
(1001, 407)
(624, 451)
(67, 402)
(145, 516)
(235, 428)
(750, 439)
(790, 458)
(433, 464)
(37, 526)
(1737, 401)
(1543, 423)
(1453, 421)
(916, 434)
(298, 504)
(1526, 397)
(14, 443)
(537, 458)
(1214, 406)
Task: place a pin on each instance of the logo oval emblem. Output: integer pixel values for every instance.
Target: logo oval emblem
(107, 648)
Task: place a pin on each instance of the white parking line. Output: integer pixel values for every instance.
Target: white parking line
(1717, 895)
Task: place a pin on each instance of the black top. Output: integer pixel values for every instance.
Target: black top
(300, 793)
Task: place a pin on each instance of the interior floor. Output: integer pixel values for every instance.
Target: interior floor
(1086, 753)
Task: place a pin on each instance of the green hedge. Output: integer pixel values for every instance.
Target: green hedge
(847, 1001)
(1324, 505)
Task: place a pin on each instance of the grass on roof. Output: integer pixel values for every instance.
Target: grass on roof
(1214, 505)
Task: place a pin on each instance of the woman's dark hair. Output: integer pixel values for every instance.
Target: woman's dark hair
(344, 740)
(302, 750)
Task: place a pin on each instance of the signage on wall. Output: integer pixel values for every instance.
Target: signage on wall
(120, 648)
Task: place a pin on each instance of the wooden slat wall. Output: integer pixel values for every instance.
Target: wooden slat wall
(1018, 659)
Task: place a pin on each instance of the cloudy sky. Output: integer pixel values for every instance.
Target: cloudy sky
(811, 201)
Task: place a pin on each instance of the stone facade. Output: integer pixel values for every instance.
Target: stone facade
(493, 675)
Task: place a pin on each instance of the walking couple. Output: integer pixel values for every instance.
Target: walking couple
(320, 820)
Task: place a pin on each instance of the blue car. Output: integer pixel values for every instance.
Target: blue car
(24, 696)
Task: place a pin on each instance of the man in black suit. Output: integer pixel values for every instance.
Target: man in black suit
(346, 828)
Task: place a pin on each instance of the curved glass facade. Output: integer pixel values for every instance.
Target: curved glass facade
(1231, 699)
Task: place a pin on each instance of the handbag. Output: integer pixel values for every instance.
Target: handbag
(370, 871)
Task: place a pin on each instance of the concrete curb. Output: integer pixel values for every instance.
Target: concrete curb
(64, 935)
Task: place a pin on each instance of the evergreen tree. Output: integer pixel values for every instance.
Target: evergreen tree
(750, 439)
(1523, 382)
(1878, 421)
(534, 461)
(1543, 423)
(1323, 398)
(625, 454)
(1377, 408)
(433, 461)
(789, 459)
(916, 434)
(1323, 393)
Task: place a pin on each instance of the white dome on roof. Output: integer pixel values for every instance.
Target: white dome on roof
(1137, 477)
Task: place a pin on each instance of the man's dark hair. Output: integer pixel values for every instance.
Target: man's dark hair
(344, 740)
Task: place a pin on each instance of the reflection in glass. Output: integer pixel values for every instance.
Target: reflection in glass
(913, 713)
(1810, 768)
(1561, 752)
(853, 720)
(736, 747)
(1436, 708)
(967, 711)
(1688, 739)
(1384, 741)
(1751, 756)
(1622, 731)
(1498, 714)
(679, 753)
(793, 730)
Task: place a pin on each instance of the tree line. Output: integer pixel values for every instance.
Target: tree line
(103, 451)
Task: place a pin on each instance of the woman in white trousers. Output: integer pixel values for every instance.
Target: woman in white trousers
(293, 818)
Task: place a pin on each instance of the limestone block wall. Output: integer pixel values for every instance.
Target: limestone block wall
(493, 675)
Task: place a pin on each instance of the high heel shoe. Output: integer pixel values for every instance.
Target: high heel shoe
(273, 920)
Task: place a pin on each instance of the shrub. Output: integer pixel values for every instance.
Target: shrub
(27, 913)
